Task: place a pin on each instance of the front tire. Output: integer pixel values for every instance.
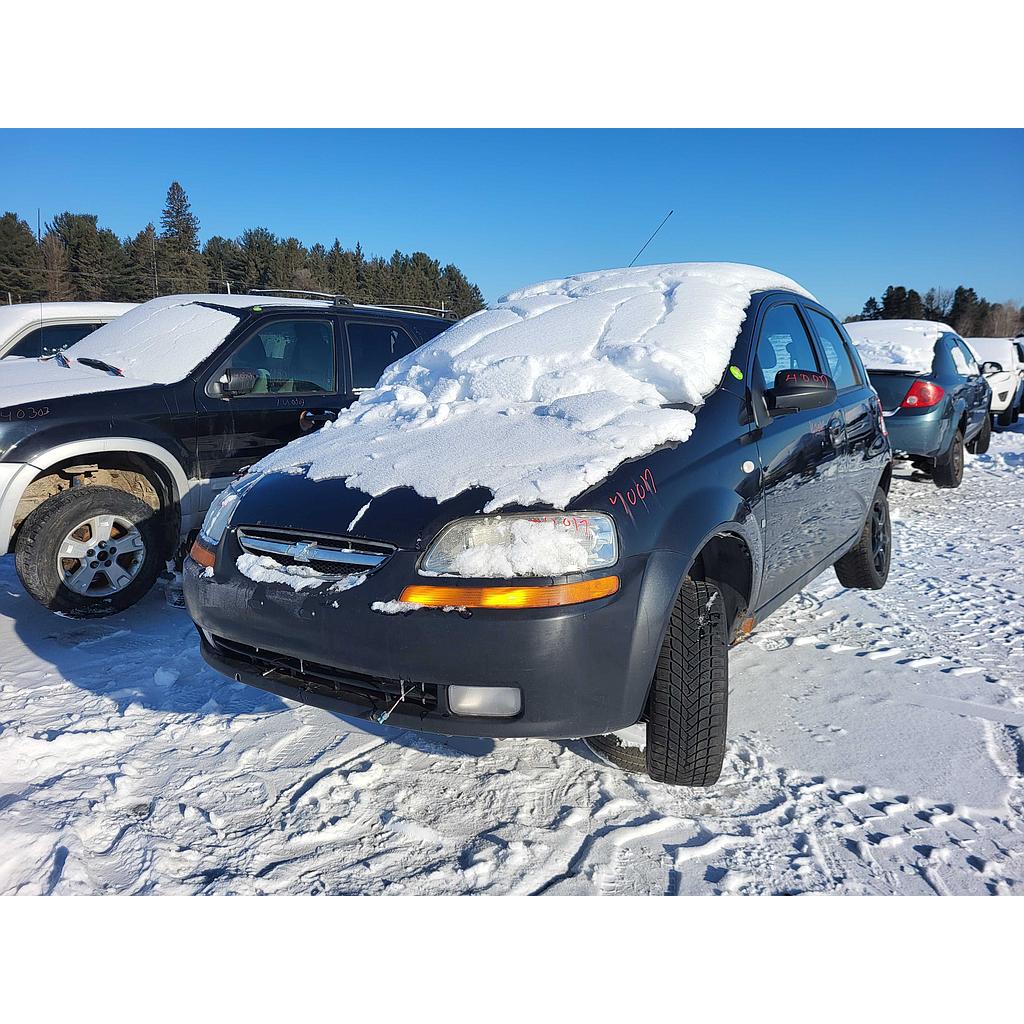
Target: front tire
(949, 469)
(89, 551)
(688, 705)
(866, 566)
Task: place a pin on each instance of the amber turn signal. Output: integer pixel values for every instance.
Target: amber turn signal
(202, 555)
(511, 597)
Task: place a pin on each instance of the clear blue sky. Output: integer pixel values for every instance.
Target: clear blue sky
(843, 212)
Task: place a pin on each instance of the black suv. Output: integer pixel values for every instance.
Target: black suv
(111, 452)
(305, 586)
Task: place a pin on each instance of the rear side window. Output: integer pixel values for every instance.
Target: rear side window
(45, 341)
(373, 347)
(1020, 352)
(784, 344)
(840, 365)
(289, 357)
(963, 360)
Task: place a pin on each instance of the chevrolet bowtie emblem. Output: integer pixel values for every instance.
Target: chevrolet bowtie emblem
(301, 552)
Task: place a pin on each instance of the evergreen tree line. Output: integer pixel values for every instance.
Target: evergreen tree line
(78, 259)
(961, 308)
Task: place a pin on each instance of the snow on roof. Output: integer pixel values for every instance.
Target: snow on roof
(907, 345)
(998, 350)
(21, 314)
(541, 396)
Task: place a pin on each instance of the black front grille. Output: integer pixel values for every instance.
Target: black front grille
(373, 692)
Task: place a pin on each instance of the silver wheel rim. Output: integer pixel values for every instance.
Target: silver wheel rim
(101, 556)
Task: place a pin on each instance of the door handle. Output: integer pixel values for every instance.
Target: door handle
(308, 418)
(835, 429)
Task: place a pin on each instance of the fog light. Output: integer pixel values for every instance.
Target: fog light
(486, 701)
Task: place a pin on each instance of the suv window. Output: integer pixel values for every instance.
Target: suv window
(44, 341)
(373, 347)
(294, 357)
(1020, 352)
(784, 344)
(837, 355)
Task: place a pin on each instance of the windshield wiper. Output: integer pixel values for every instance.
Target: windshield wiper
(61, 360)
(98, 364)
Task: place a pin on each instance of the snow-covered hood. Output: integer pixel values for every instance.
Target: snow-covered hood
(544, 394)
(26, 382)
(906, 345)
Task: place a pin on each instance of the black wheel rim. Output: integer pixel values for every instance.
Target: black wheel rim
(879, 538)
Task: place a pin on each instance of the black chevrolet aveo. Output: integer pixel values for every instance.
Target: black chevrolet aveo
(785, 474)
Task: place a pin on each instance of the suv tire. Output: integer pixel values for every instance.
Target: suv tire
(866, 566)
(949, 468)
(983, 438)
(90, 521)
(1005, 418)
(688, 702)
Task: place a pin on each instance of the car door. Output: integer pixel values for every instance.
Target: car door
(800, 456)
(858, 405)
(975, 389)
(299, 385)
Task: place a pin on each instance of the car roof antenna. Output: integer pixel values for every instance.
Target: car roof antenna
(651, 239)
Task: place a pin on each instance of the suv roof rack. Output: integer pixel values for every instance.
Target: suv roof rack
(302, 293)
(344, 300)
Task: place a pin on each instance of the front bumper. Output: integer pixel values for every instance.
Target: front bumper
(581, 669)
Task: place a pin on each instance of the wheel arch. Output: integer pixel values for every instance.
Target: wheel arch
(118, 454)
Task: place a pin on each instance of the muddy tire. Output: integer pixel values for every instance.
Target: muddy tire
(90, 551)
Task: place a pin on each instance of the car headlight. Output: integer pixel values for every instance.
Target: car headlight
(223, 508)
(523, 544)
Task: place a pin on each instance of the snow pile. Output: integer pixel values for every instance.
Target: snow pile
(263, 569)
(907, 345)
(541, 396)
(163, 340)
(521, 547)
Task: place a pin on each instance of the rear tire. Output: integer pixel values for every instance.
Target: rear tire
(984, 438)
(688, 704)
(105, 579)
(1005, 418)
(949, 469)
(866, 566)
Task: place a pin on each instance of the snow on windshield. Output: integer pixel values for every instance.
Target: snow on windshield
(164, 339)
(907, 345)
(541, 396)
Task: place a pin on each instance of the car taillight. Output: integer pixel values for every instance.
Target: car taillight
(922, 395)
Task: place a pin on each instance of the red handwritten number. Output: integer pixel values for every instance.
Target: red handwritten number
(638, 492)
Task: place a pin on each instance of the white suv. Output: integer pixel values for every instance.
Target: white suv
(34, 329)
(1008, 384)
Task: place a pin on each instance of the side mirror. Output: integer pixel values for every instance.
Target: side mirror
(796, 390)
(237, 382)
(991, 367)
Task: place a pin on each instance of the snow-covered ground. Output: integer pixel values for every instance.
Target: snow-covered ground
(877, 747)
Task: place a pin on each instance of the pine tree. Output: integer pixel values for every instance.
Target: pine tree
(225, 264)
(80, 236)
(458, 293)
(21, 262)
(259, 250)
(872, 310)
(963, 311)
(141, 266)
(183, 266)
(913, 306)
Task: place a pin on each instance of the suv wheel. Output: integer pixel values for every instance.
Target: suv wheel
(1006, 418)
(866, 566)
(983, 439)
(949, 469)
(89, 551)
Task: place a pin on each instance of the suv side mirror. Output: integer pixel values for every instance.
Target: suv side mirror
(796, 390)
(237, 382)
(991, 367)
